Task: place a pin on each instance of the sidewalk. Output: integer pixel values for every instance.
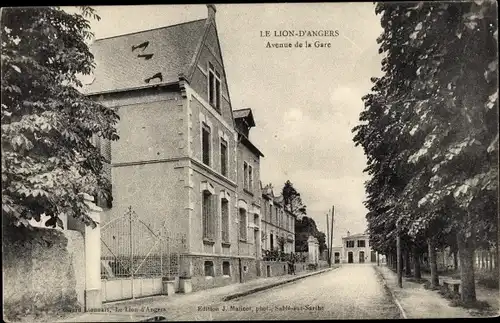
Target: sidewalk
(417, 302)
(490, 295)
(133, 310)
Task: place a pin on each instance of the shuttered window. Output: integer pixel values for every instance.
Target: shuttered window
(225, 220)
(208, 216)
(206, 144)
(243, 224)
(223, 157)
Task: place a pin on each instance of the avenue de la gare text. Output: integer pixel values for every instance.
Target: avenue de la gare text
(300, 44)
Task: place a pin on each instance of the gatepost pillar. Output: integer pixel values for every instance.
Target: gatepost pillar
(93, 258)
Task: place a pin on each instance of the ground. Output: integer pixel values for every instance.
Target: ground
(350, 292)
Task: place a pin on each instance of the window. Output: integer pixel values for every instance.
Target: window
(208, 216)
(226, 268)
(223, 157)
(361, 243)
(214, 88)
(250, 178)
(245, 175)
(209, 269)
(243, 224)
(206, 144)
(271, 241)
(225, 219)
(349, 244)
(217, 90)
(286, 222)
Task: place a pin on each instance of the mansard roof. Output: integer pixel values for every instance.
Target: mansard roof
(146, 58)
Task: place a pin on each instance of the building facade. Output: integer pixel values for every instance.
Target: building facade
(180, 161)
(248, 192)
(355, 249)
(277, 223)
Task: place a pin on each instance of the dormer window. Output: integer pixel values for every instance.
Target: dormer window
(214, 87)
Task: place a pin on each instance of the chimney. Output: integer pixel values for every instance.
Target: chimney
(211, 11)
(348, 233)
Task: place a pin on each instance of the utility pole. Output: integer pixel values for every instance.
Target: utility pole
(328, 242)
(331, 231)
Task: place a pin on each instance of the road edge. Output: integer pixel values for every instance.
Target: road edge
(261, 288)
(391, 292)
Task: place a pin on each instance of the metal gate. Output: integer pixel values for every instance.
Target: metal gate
(136, 255)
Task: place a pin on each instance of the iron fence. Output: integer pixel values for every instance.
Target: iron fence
(132, 248)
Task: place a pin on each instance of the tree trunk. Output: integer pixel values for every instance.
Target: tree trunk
(378, 259)
(455, 260)
(433, 263)
(444, 259)
(482, 259)
(407, 263)
(416, 264)
(490, 263)
(466, 251)
(400, 261)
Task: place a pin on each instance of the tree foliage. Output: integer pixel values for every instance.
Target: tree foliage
(48, 161)
(430, 125)
(292, 202)
(304, 228)
(430, 128)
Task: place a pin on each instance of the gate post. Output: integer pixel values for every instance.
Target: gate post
(93, 258)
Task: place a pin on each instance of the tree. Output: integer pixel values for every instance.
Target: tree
(48, 161)
(429, 128)
(321, 236)
(281, 243)
(304, 228)
(292, 202)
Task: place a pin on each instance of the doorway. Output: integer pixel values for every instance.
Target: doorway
(361, 257)
(350, 258)
(337, 257)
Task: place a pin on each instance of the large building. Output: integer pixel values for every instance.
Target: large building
(277, 223)
(185, 176)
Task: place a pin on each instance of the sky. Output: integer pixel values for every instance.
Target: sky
(305, 101)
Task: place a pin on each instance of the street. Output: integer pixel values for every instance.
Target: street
(349, 292)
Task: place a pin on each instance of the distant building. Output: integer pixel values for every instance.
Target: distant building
(277, 223)
(355, 249)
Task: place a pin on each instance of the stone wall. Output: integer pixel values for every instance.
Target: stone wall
(274, 268)
(201, 281)
(43, 270)
(300, 267)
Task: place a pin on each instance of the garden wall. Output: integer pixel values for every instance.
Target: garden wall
(43, 271)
